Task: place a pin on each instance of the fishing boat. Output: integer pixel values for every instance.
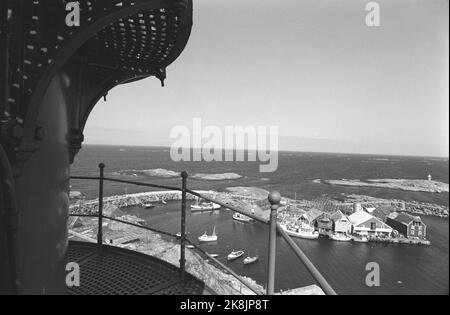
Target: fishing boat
(241, 218)
(148, 205)
(179, 234)
(250, 260)
(235, 255)
(360, 239)
(306, 232)
(205, 206)
(208, 238)
(340, 237)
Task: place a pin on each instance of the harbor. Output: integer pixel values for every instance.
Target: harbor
(407, 267)
(250, 238)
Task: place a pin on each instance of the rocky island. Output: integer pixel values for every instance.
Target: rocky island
(418, 185)
(163, 173)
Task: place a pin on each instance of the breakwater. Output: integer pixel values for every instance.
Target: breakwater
(122, 201)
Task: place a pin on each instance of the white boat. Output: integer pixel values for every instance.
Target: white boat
(214, 255)
(205, 206)
(360, 239)
(235, 255)
(148, 205)
(163, 202)
(250, 260)
(190, 246)
(241, 218)
(179, 234)
(340, 237)
(208, 238)
(306, 232)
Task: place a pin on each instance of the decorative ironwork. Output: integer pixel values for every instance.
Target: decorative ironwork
(117, 41)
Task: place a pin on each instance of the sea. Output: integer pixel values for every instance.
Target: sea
(404, 269)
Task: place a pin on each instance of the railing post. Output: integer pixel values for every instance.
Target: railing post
(100, 205)
(274, 199)
(184, 176)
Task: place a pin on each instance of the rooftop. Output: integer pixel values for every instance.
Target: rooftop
(404, 218)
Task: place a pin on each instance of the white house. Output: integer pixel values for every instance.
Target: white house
(366, 224)
(341, 223)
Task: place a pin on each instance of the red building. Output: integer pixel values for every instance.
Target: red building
(407, 225)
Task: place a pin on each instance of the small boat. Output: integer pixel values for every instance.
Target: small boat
(179, 234)
(301, 232)
(214, 255)
(208, 238)
(340, 237)
(163, 202)
(190, 246)
(360, 239)
(148, 205)
(205, 206)
(250, 260)
(241, 218)
(235, 255)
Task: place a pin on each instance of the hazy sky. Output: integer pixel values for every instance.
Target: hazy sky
(311, 67)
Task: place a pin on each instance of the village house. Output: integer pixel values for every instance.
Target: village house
(324, 223)
(382, 212)
(407, 225)
(341, 223)
(368, 225)
(310, 217)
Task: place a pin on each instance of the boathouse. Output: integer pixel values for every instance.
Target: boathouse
(341, 223)
(310, 217)
(324, 223)
(407, 225)
(366, 224)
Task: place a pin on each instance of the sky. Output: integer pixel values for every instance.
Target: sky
(312, 67)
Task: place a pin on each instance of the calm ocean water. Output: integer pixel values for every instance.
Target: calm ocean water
(405, 269)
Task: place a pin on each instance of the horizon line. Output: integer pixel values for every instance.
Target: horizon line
(286, 151)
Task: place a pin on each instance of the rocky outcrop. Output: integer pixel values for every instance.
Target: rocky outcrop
(402, 184)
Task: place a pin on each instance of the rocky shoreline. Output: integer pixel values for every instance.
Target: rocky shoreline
(418, 185)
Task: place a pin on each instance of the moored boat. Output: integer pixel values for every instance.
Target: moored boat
(250, 260)
(235, 255)
(360, 239)
(148, 205)
(241, 218)
(208, 238)
(340, 237)
(205, 206)
(301, 232)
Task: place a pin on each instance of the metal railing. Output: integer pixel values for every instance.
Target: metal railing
(274, 199)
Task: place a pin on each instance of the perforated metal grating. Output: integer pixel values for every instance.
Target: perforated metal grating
(135, 37)
(116, 271)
